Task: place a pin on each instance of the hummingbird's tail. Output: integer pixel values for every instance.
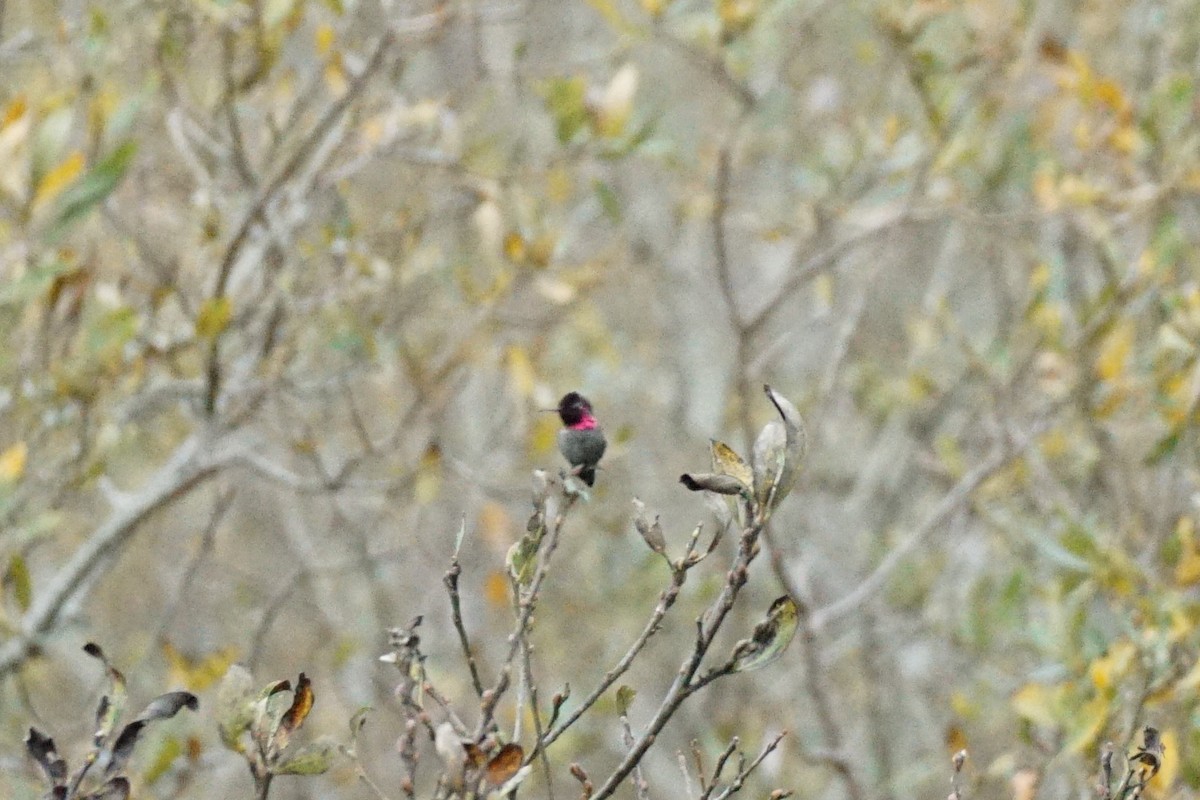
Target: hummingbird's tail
(588, 475)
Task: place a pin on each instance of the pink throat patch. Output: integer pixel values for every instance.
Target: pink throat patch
(586, 424)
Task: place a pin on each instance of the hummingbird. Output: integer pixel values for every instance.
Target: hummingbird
(580, 441)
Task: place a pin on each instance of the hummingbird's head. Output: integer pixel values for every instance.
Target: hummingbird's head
(573, 409)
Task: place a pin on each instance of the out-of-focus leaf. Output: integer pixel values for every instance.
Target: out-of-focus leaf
(1038, 703)
(770, 637)
(565, 98)
(625, 696)
(169, 749)
(1112, 361)
(502, 766)
(609, 202)
(50, 142)
(235, 706)
(41, 749)
(17, 576)
(113, 789)
(314, 758)
(213, 318)
(611, 107)
(12, 462)
(650, 530)
(91, 190)
(712, 482)
(197, 674)
(726, 461)
(1087, 723)
(112, 704)
(293, 718)
(58, 179)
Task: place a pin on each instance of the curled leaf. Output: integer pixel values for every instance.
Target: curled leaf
(112, 704)
(505, 764)
(727, 462)
(778, 451)
(522, 559)
(770, 637)
(293, 718)
(650, 530)
(162, 707)
(42, 750)
(713, 482)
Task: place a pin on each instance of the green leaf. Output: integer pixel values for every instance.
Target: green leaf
(213, 318)
(770, 637)
(608, 200)
(312, 759)
(625, 696)
(564, 98)
(17, 576)
(90, 190)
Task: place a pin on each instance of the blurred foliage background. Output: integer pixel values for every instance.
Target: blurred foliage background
(285, 283)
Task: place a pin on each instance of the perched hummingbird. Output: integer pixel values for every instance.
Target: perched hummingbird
(580, 441)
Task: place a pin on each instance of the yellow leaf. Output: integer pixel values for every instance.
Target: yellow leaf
(335, 77)
(514, 247)
(1169, 769)
(428, 483)
(496, 526)
(324, 39)
(544, 436)
(1113, 359)
(214, 317)
(1038, 703)
(12, 462)
(725, 460)
(59, 178)
(1088, 722)
(520, 370)
(1107, 670)
(1187, 569)
(14, 111)
(495, 588)
(200, 673)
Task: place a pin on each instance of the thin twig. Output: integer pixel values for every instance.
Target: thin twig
(706, 630)
(451, 582)
(527, 603)
(665, 601)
